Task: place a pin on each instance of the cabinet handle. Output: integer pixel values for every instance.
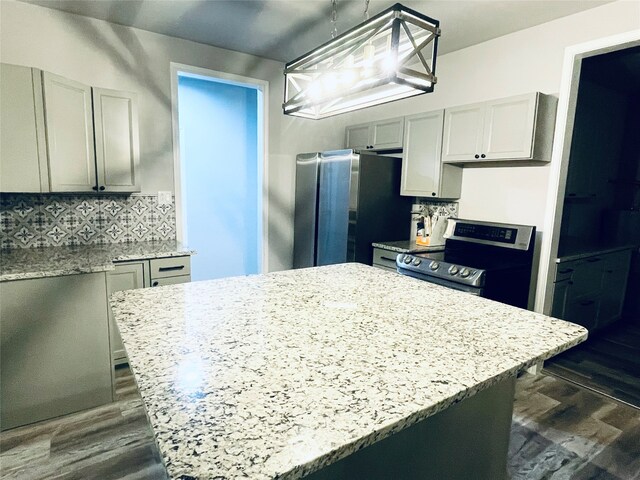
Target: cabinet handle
(483, 156)
(587, 303)
(170, 269)
(102, 188)
(477, 156)
(568, 270)
(155, 284)
(389, 259)
(593, 260)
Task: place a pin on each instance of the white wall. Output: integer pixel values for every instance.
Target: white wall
(102, 54)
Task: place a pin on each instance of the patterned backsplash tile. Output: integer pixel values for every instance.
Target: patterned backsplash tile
(431, 207)
(32, 220)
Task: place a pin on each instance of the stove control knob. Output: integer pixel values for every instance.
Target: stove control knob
(465, 272)
(407, 259)
(417, 262)
(453, 269)
(434, 266)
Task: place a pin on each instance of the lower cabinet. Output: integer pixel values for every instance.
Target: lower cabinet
(126, 276)
(384, 259)
(591, 291)
(156, 272)
(54, 347)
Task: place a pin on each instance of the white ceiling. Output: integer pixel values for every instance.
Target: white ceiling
(285, 29)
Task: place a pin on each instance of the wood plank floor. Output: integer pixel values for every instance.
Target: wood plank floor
(608, 363)
(559, 431)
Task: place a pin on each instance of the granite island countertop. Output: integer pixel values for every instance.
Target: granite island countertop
(282, 374)
(25, 263)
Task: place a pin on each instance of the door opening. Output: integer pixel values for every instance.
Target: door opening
(219, 150)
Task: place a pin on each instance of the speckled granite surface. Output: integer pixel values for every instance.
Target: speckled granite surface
(591, 252)
(25, 263)
(407, 246)
(279, 375)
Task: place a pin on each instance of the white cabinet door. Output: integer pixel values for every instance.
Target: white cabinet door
(509, 127)
(463, 129)
(382, 135)
(614, 286)
(69, 125)
(126, 276)
(115, 116)
(23, 151)
(387, 134)
(421, 154)
(358, 137)
(423, 173)
(54, 347)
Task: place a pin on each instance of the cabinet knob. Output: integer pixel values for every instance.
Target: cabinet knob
(102, 188)
(483, 156)
(433, 194)
(477, 156)
(95, 187)
(154, 284)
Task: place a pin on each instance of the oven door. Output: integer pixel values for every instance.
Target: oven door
(445, 283)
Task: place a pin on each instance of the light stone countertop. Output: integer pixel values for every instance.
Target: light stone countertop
(407, 246)
(278, 375)
(25, 263)
(594, 251)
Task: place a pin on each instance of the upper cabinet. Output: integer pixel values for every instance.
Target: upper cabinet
(115, 118)
(381, 135)
(423, 174)
(69, 124)
(514, 128)
(23, 150)
(63, 136)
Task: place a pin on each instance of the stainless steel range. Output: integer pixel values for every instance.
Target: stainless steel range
(492, 260)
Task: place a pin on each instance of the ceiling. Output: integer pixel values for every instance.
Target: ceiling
(285, 29)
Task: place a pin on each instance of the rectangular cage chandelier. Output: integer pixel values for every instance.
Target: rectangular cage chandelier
(389, 57)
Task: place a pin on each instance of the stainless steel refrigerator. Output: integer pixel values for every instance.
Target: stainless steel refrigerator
(345, 201)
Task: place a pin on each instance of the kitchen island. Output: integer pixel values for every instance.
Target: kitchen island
(343, 371)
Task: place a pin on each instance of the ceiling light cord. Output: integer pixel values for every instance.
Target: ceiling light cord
(334, 18)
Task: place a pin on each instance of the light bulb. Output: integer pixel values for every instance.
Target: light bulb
(389, 63)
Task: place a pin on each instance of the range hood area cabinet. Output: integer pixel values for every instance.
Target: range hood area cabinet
(423, 173)
(381, 135)
(518, 128)
(59, 135)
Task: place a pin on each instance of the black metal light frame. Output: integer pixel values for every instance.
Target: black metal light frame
(404, 34)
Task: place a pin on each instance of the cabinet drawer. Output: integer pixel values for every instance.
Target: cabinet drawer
(587, 277)
(384, 258)
(171, 280)
(583, 311)
(170, 267)
(564, 271)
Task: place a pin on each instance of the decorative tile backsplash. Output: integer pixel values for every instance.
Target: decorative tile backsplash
(32, 220)
(431, 207)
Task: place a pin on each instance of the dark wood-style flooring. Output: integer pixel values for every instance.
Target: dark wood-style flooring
(608, 362)
(559, 431)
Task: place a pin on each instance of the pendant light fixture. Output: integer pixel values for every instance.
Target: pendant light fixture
(388, 57)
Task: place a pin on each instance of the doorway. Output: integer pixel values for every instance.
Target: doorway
(593, 269)
(219, 151)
